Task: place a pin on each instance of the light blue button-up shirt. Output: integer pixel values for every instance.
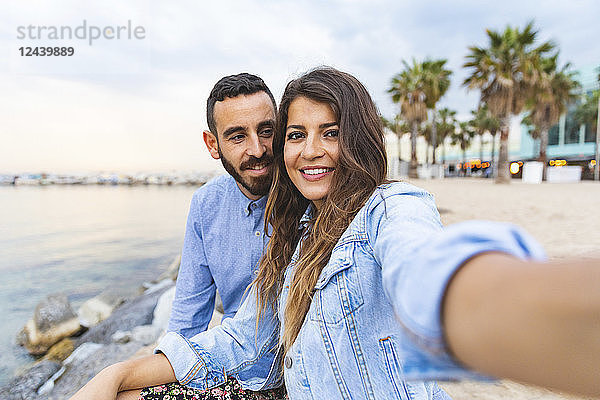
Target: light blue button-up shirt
(373, 329)
(223, 243)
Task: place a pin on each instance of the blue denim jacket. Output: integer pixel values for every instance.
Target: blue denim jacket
(373, 329)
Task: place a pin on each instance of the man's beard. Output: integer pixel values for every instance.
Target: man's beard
(258, 186)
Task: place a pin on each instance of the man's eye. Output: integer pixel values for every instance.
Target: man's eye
(266, 132)
(294, 135)
(332, 133)
(236, 138)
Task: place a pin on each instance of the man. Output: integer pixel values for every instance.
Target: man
(224, 236)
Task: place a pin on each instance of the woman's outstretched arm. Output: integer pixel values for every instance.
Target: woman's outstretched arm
(528, 321)
(133, 374)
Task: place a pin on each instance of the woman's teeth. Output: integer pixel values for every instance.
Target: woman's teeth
(316, 171)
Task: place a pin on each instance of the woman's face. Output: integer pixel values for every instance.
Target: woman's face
(311, 147)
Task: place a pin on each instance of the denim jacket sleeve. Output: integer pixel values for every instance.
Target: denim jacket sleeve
(238, 348)
(418, 258)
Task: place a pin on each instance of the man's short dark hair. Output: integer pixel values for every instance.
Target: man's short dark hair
(232, 86)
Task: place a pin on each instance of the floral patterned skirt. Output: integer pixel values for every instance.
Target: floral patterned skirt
(230, 390)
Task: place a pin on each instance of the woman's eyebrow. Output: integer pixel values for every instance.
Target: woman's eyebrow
(327, 125)
(322, 126)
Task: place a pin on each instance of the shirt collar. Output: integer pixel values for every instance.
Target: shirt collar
(252, 205)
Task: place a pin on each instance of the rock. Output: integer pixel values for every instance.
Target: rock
(121, 337)
(172, 270)
(97, 309)
(52, 321)
(154, 287)
(146, 334)
(138, 311)
(26, 385)
(80, 369)
(61, 350)
(162, 312)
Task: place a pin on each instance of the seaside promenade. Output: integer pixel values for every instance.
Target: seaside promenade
(564, 218)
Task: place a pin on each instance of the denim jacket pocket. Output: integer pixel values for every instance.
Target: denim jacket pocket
(393, 364)
(337, 292)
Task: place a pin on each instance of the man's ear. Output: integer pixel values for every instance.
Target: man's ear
(211, 144)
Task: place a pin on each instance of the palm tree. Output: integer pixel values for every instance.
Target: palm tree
(463, 137)
(437, 82)
(409, 89)
(483, 121)
(398, 127)
(445, 123)
(587, 113)
(553, 92)
(505, 72)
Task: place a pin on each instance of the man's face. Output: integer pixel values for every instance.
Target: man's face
(245, 125)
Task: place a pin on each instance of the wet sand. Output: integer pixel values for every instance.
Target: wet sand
(564, 218)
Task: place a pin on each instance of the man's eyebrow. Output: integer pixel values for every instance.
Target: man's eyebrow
(269, 123)
(230, 131)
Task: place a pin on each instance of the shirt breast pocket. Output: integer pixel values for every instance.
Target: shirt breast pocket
(338, 292)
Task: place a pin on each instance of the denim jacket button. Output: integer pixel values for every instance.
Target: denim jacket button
(288, 362)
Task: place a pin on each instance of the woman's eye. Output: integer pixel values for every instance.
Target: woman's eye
(332, 133)
(294, 135)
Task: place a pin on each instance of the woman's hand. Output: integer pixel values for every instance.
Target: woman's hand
(133, 374)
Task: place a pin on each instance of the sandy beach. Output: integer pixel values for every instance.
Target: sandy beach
(562, 217)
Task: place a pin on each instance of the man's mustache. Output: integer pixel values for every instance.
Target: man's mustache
(254, 161)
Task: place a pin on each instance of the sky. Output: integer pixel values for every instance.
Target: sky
(133, 104)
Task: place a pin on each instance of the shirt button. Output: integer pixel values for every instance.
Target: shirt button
(288, 362)
(257, 233)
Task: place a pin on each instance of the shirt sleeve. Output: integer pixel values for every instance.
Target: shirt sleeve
(239, 347)
(195, 288)
(418, 259)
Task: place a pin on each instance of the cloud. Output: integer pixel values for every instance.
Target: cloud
(127, 104)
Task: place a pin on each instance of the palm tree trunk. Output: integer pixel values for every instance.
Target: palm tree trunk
(433, 134)
(493, 159)
(412, 172)
(464, 158)
(543, 157)
(399, 135)
(481, 147)
(503, 170)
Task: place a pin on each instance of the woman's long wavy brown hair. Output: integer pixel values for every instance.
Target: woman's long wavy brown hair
(361, 167)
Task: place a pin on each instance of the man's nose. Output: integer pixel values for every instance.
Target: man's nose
(255, 147)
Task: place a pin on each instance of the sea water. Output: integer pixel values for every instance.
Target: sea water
(80, 240)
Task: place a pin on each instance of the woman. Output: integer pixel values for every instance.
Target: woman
(317, 314)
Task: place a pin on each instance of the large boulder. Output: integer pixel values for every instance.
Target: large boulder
(61, 350)
(85, 362)
(138, 311)
(162, 312)
(52, 321)
(97, 309)
(26, 385)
